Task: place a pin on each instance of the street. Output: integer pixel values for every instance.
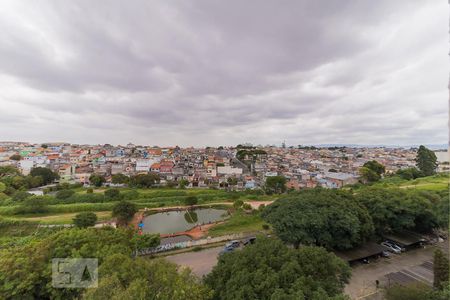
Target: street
(201, 262)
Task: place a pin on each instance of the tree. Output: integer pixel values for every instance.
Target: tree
(368, 175)
(396, 209)
(64, 194)
(329, 218)
(16, 157)
(25, 271)
(190, 200)
(144, 180)
(275, 184)
(97, 180)
(48, 176)
(122, 277)
(32, 205)
(426, 161)
(124, 211)
(270, 270)
(85, 219)
(145, 241)
(20, 196)
(440, 269)
(409, 173)
(119, 178)
(34, 181)
(375, 166)
(183, 183)
(238, 203)
(113, 194)
(6, 171)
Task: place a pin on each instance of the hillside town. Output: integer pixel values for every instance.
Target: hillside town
(238, 168)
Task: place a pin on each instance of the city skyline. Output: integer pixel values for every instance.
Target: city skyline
(207, 74)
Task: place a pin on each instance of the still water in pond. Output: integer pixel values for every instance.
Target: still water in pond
(176, 221)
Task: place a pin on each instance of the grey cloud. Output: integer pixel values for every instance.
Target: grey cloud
(262, 71)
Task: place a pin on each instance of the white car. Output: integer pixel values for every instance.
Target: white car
(391, 247)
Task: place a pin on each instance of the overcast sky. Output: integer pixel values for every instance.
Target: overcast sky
(225, 72)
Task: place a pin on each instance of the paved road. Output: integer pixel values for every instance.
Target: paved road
(201, 263)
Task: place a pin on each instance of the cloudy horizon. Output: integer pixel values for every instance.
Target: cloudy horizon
(198, 73)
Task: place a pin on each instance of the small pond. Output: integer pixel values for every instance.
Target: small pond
(176, 221)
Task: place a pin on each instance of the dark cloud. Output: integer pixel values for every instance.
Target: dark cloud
(223, 72)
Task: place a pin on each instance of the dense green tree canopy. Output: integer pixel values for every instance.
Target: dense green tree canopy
(144, 180)
(97, 180)
(409, 173)
(48, 176)
(275, 184)
(25, 271)
(396, 209)
(328, 218)
(426, 161)
(112, 194)
(375, 166)
(85, 219)
(124, 211)
(32, 205)
(64, 194)
(440, 269)
(269, 269)
(119, 178)
(124, 278)
(368, 176)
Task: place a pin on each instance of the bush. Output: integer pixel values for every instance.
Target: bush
(265, 226)
(20, 196)
(32, 205)
(112, 194)
(64, 194)
(238, 204)
(85, 219)
(247, 206)
(89, 191)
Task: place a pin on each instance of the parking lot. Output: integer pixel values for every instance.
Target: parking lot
(414, 265)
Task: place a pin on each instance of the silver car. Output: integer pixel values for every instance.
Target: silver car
(393, 248)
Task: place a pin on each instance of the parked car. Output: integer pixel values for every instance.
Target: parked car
(391, 247)
(250, 240)
(233, 244)
(226, 250)
(398, 245)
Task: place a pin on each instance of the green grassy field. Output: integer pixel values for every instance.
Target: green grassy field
(65, 218)
(62, 213)
(237, 223)
(433, 183)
